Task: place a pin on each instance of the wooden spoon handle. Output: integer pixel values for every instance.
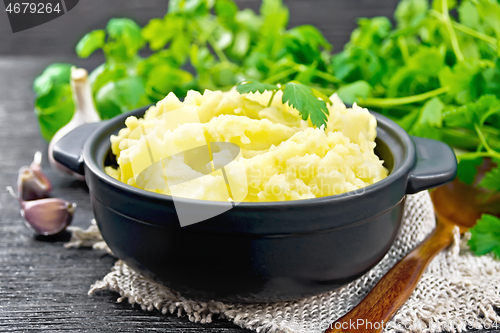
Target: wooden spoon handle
(395, 287)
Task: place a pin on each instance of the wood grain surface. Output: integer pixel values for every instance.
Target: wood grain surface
(43, 287)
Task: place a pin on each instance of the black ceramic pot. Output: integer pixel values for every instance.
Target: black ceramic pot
(255, 252)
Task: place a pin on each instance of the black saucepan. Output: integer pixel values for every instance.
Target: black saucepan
(255, 252)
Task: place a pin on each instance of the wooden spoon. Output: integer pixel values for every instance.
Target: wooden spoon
(456, 204)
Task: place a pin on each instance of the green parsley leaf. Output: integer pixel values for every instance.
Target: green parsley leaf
(116, 97)
(409, 120)
(248, 20)
(305, 44)
(311, 36)
(241, 43)
(253, 87)
(469, 15)
(164, 79)
(224, 37)
(54, 110)
(492, 78)
(419, 75)
(370, 32)
(410, 12)
(355, 91)
(226, 11)
(491, 180)
(276, 17)
(475, 113)
(302, 98)
(485, 236)
(355, 64)
(467, 169)
(157, 34)
(54, 106)
(489, 11)
(462, 81)
(125, 38)
(180, 48)
(188, 7)
(272, 7)
(108, 74)
(53, 75)
(487, 106)
(91, 42)
(430, 120)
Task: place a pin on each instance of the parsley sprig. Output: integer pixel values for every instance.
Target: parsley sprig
(310, 102)
(486, 236)
(437, 73)
(198, 44)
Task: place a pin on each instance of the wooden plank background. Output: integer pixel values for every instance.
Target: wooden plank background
(43, 287)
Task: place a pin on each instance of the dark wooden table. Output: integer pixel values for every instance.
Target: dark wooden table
(43, 286)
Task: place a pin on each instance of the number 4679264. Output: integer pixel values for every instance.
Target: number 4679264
(32, 7)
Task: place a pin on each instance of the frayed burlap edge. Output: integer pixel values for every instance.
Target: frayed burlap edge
(458, 291)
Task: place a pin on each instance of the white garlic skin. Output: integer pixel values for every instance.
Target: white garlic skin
(32, 184)
(85, 113)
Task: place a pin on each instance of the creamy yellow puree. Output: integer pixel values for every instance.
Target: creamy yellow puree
(282, 156)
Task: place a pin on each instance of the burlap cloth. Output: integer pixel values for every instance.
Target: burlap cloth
(458, 291)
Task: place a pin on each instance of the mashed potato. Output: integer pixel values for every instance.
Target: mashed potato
(282, 157)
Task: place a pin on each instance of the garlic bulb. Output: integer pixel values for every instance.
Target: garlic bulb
(32, 184)
(46, 216)
(85, 112)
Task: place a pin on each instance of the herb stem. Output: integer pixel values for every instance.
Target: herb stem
(481, 137)
(477, 34)
(487, 115)
(205, 36)
(221, 55)
(472, 155)
(272, 97)
(485, 144)
(445, 18)
(387, 102)
(403, 46)
(281, 75)
(327, 77)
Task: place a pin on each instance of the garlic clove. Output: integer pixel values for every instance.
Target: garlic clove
(32, 184)
(85, 112)
(46, 216)
(36, 166)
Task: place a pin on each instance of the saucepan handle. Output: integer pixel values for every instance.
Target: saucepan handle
(436, 165)
(69, 149)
